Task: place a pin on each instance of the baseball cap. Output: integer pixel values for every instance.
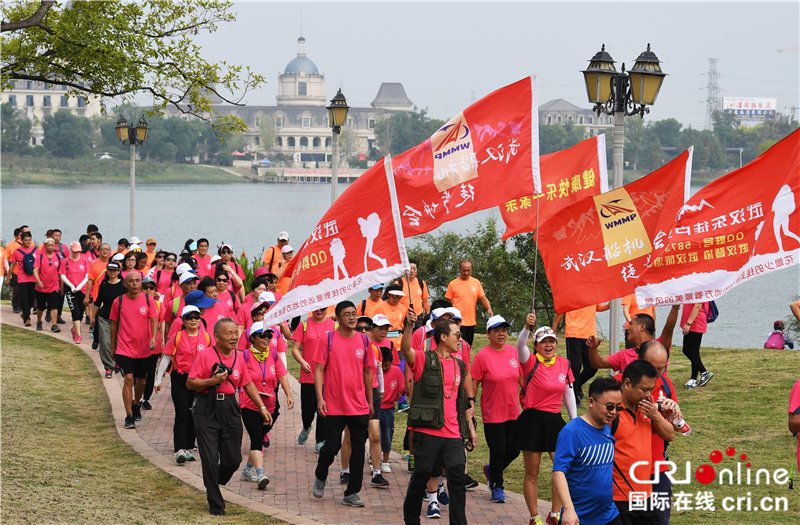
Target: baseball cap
(182, 268)
(260, 271)
(118, 257)
(199, 299)
(257, 328)
(113, 265)
(187, 276)
(366, 318)
(543, 333)
(455, 312)
(283, 236)
(148, 280)
(134, 240)
(401, 293)
(377, 287)
(428, 326)
(381, 320)
(193, 246)
(75, 246)
(215, 258)
(49, 240)
(151, 241)
(496, 321)
(438, 312)
(267, 297)
(286, 249)
(189, 309)
(228, 246)
(185, 252)
(256, 305)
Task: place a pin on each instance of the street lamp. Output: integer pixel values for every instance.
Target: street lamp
(337, 113)
(618, 94)
(132, 136)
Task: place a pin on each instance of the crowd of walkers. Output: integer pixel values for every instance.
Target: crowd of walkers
(190, 316)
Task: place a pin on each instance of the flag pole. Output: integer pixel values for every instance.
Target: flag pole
(410, 302)
(536, 254)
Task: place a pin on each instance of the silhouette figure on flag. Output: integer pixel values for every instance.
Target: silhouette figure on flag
(370, 228)
(783, 206)
(338, 253)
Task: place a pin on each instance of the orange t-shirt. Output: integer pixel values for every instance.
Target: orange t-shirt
(631, 300)
(580, 323)
(396, 314)
(634, 436)
(151, 256)
(464, 296)
(417, 293)
(369, 308)
(283, 285)
(275, 255)
(96, 271)
(10, 249)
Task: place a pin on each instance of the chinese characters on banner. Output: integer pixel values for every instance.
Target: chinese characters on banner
(595, 249)
(481, 158)
(357, 244)
(738, 227)
(567, 176)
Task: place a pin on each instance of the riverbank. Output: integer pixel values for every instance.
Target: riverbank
(97, 173)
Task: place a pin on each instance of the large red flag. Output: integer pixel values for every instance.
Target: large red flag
(567, 176)
(594, 249)
(482, 157)
(357, 244)
(736, 228)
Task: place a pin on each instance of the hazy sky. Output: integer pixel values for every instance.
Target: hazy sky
(442, 53)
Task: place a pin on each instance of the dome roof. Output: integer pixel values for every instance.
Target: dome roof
(301, 64)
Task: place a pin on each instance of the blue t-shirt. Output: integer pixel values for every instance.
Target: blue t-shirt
(585, 455)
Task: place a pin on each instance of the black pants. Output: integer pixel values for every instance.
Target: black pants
(467, 334)
(183, 433)
(578, 355)
(152, 363)
(452, 456)
(16, 302)
(691, 349)
(219, 440)
(75, 303)
(27, 293)
(664, 486)
(636, 517)
(308, 409)
(256, 428)
(502, 448)
(334, 427)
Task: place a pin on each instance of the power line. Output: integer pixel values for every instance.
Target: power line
(714, 99)
(762, 80)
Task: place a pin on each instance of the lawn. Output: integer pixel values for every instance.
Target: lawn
(745, 406)
(62, 460)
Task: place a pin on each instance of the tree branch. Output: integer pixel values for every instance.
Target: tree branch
(34, 20)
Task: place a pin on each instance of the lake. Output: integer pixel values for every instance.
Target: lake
(249, 217)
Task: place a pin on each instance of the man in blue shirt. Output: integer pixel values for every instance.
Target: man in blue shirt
(582, 468)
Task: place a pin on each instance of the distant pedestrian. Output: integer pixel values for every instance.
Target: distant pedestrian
(204, 267)
(369, 307)
(694, 323)
(464, 293)
(233, 269)
(777, 338)
(110, 288)
(282, 286)
(13, 280)
(48, 286)
(273, 257)
(22, 261)
(394, 311)
(75, 274)
(150, 251)
(417, 294)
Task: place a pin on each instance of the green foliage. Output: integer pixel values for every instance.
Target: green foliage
(121, 49)
(67, 135)
(224, 158)
(268, 132)
(504, 268)
(403, 131)
(249, 268)
(555, 137)
(16, 131)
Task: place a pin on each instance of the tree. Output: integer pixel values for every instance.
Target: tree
(16, 132)
(384, 135)
(348, 144)
(67, 135)
(268, 131)
(404, 130)
(121, 49)
(225, 158)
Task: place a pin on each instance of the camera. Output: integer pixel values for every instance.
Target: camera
(219, 368)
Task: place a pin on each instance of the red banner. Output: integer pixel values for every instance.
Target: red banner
(481, 158)
(735, 229)
(594, 249)
(567, 176)
(357, 244)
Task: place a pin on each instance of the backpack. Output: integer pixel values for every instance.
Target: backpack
(712, 313)
(775, 340)
(147, 297)
(421, 285)
(28, 261)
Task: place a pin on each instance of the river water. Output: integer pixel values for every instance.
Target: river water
(249, 217)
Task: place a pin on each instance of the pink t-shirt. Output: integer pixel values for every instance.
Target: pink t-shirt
(48, 271)
(214, 314)
(375, 358)
(133, 337)
(188, 348)
(794, 408)
(499, 373)
(463, 353)
(177, 324)
(265, 376)
(343, 386)
(163, 279)
(16, 257)
(418, 339)
(204, 268)
(171, 311)
(452, 378)
(625, 357)
(394, 385)
(204, 363)
(76, 271)
(700, 323)
(546, 388)
(242, 315)
(309, 333)
(232, 303)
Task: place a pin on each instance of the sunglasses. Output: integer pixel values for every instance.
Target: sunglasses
(159, 256)
(173, 259)
(265, 335)
(191, 317)
(362, 328)
(222, 280)
(611, 407)
(148, 287)
(226, 252)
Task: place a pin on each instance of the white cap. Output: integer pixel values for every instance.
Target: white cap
(49, 240)
(438, 312)
(543, 333)
(215, 258)
(182, 268)
(186, 276)
(286, 249)
(189, 309)
(283, 236)
(118, 257)
(397, 292)
(266, 297)
(134, 246)
(428, 326)
(455, 312)
(258, 327)
(134, 240)
(381, 320)
(496, 321)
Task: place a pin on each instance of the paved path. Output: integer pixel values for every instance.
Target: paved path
(289, 465)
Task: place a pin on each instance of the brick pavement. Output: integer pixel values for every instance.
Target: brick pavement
(289, 465)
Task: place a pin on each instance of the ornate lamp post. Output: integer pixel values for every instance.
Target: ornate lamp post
(337, 112)
(618, 94)
(132, 136)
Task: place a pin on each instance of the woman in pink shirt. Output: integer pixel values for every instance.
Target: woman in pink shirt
(75, 274)
(225, 293)
(234, 270)
(694, 322)
(163, 276)
(546, 380)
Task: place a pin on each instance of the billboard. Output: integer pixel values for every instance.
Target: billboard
(749, 107)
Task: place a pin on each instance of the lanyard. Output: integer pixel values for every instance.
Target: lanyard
(441, 370)
(263, 369)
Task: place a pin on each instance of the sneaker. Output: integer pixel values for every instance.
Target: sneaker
(78, 339)
(536, 520)
(705, 377)
(444, 499)
(88, 319)
(319, 446)
(411, 462)
(47, 317)
(95, 344)
(60, 321)
(190, 455)
(146, 405)
(691, 384)
(498, 496)
(405, 455)
(553, 518)
(379, 482)
(318, 490)
(471, 484)
(303, 437)
(109, 374)
(386, 468)
(425, 496)
(488, 473)
(578, 403)
(262, 481)
(38, 326)
(17, 310)
(72, 333)
(249, 474)
(402, 407)
(137, 412)
(265, 444)
(117, 369)
(344, 477)
(180, 457)
(353, 500)
(55, 328)
(433, 511)
(130, 422)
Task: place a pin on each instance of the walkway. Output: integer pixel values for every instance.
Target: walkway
(289, 465)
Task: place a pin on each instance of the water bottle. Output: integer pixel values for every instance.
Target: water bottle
(682, 426)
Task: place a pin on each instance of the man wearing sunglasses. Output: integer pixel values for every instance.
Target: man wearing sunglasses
(583, 464)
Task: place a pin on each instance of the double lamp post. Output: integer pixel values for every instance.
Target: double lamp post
(132, 136)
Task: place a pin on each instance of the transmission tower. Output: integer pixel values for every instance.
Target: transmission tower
(714, 100)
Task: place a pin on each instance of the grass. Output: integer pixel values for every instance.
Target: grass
(745, 406)
(62, 460)
(157, 174)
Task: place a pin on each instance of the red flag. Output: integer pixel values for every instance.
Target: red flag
(482, 157)
(567, 176)
(736, 228)
(594, 249)
(357, 244)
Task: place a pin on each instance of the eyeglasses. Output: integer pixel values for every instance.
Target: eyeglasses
(222, 280)
(191, 317)
(362, 328)
(173, 259)
(226, 252)
(347, 314)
